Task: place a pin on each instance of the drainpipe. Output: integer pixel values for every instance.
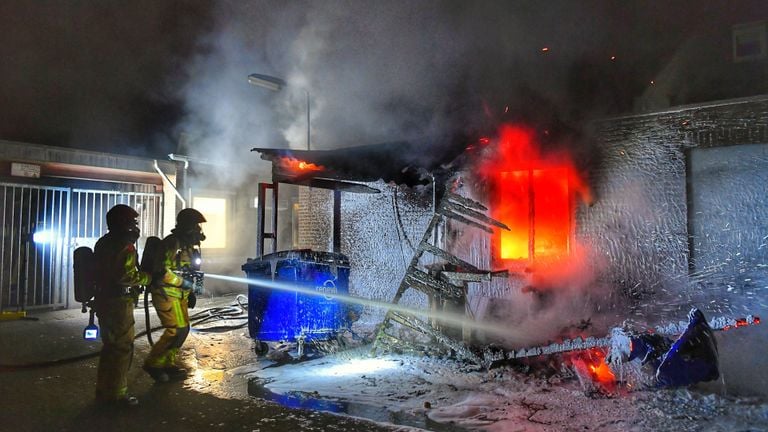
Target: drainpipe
(176, 191)
(179, 158)
(435, 234)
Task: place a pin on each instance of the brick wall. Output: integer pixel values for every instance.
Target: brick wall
(315, 219)
(639, 221)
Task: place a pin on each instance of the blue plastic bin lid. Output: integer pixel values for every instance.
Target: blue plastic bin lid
(302, 255)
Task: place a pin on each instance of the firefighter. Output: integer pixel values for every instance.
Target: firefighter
(117, 288)
(172, 293)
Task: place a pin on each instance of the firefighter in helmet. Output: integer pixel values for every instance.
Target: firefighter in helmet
(117, 288)
(172, 293)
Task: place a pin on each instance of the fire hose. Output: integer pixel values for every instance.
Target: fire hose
(222, 313)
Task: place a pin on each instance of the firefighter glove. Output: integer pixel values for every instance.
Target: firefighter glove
(191, 300)
(187, 284)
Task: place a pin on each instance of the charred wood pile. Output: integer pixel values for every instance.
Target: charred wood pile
(445, 283)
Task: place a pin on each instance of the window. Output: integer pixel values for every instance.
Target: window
(536, 205)
(215, 212)
(749, 41)
(534, 195)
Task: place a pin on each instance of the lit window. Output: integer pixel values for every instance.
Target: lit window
(535, 205)
(215, 227)
(534, 196)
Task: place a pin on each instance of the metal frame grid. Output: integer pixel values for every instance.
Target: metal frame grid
(33, 267)
(41, 227)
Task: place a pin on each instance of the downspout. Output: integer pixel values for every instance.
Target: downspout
(173, 187)
(178, 158)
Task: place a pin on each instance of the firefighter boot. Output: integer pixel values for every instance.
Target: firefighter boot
(121, 402)
(157, 374)
(175, 373)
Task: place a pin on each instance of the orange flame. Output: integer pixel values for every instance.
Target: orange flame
(298, 166)
(533, 196)
(742, 322)
(591, 363)
(599, 368)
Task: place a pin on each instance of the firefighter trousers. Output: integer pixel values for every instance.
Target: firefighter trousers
(116, 321)
(172, 309)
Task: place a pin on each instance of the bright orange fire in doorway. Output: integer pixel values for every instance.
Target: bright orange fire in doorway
(534, 196)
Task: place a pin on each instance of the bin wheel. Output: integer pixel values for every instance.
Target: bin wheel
(341, 343)
(261, 348)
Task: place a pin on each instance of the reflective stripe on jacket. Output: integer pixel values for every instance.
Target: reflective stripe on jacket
(173, 257)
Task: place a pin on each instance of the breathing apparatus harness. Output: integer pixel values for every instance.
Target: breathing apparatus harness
(190, 236)
(86, 279)
(191, 272)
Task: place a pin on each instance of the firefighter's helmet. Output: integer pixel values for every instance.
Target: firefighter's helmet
(189, 217)
(188, 226)
(121, 218)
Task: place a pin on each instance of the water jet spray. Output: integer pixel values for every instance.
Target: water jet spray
(453, 318)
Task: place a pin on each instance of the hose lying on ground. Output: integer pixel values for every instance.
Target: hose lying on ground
(221, 314)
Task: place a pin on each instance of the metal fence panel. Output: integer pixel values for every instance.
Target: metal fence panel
(89, 209)
(35, 239)
(41, 228)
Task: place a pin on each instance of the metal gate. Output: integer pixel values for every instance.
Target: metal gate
(33, 252)
(43, 225)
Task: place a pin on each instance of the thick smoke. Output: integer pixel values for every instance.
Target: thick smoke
(399, 70)
(388, 71)
(130, 77)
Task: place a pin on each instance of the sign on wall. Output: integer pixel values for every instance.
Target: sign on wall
(25, 170)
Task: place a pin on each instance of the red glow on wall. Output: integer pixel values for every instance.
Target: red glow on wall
(533, 195)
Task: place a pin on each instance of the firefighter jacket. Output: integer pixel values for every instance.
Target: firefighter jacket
(117, 273)
(175, 257)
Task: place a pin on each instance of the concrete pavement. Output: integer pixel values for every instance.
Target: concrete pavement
(59, 397)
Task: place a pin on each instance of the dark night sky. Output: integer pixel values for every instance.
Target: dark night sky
(132, 77)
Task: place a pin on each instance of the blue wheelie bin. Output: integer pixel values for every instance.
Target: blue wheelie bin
(285, 316)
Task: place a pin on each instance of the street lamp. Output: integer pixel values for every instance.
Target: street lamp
(276, 84)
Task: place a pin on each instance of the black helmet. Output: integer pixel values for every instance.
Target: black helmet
(121, 219)
(188, 226)
(189, 217)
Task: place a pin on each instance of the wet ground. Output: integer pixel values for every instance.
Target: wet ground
(232, 389)
(59, 397)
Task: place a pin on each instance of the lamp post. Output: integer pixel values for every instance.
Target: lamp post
(276, 84)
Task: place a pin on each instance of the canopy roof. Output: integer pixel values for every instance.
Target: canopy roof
(403, 162)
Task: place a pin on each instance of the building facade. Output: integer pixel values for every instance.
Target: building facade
(54, 200)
